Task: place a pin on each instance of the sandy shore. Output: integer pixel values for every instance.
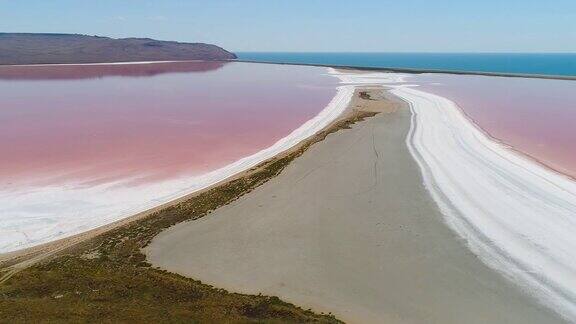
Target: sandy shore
(348, 228)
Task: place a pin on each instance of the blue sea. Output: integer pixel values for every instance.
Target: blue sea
(562, 64)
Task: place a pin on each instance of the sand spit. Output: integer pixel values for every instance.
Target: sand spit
(349, 228)
(517, 215)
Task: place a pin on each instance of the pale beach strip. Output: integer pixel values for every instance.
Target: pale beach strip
(516, 214)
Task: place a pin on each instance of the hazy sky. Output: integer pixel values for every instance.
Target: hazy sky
(313, 25)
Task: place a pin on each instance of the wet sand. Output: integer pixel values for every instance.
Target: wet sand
(348, 228)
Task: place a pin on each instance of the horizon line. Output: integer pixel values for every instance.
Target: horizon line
(410, 52)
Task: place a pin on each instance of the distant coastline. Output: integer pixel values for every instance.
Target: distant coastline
(548, 66)
(336, 66)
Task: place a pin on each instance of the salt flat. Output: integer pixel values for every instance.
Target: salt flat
(348, 228)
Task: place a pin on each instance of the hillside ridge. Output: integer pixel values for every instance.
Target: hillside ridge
(48, 48)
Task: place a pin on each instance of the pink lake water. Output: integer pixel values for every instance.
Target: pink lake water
(534, 116)
(98, 123)
(80, 141)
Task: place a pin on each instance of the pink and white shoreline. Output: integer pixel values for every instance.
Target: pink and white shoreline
(517, 215)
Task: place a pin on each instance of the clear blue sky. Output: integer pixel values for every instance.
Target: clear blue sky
(313, 25)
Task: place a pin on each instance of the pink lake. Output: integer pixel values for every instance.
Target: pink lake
(534, 116)
(83, 145)
(97, 123)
